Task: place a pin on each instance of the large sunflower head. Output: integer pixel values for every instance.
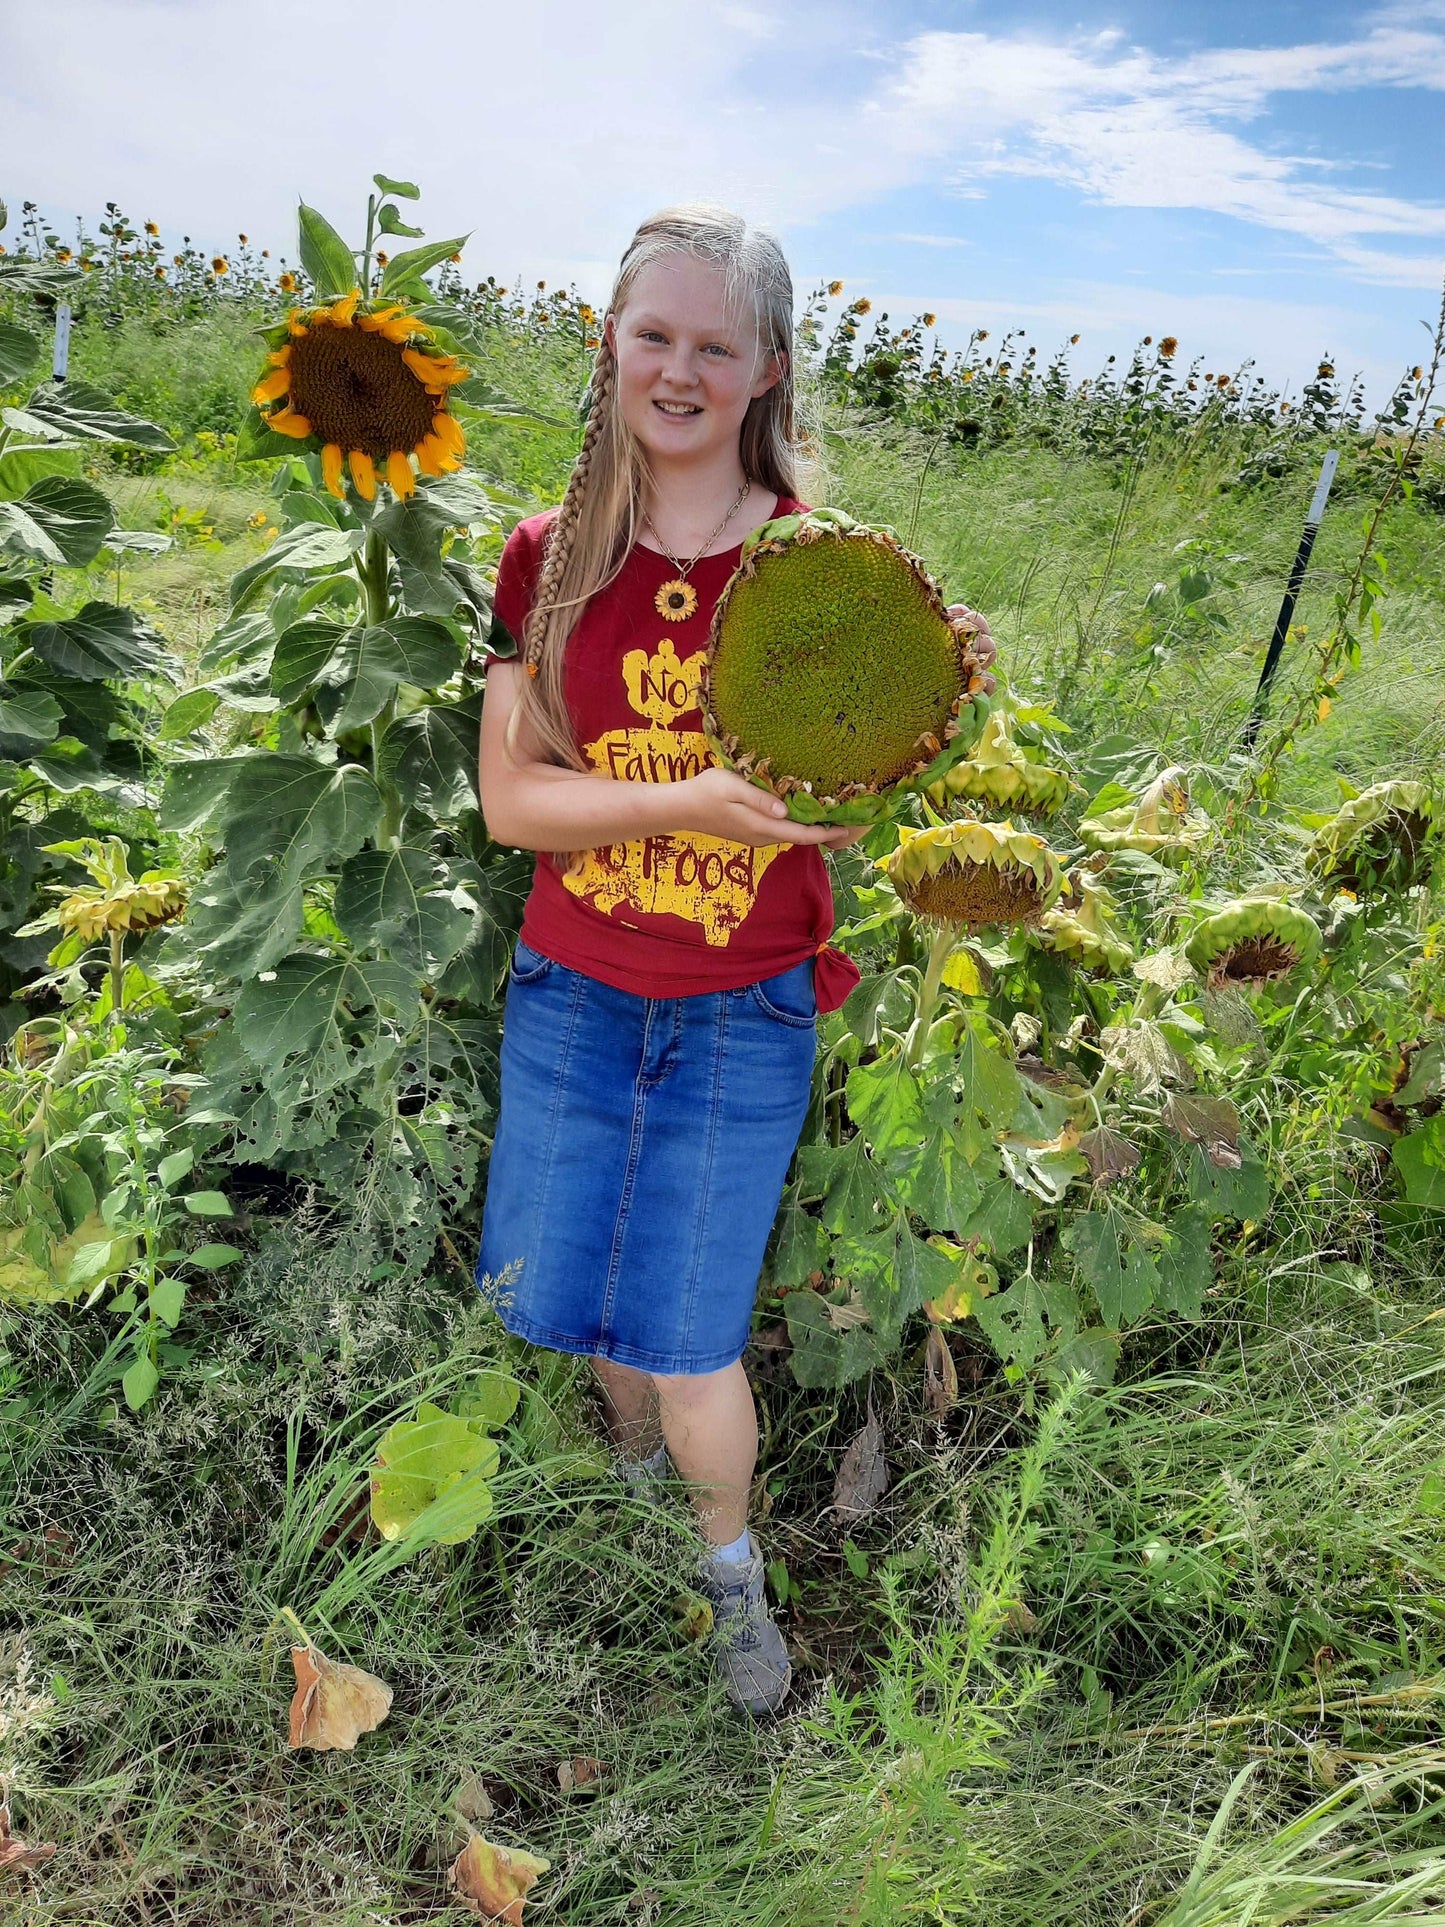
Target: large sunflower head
(1253, 941)
(974, 873)
(1384, 839)
(371, 386)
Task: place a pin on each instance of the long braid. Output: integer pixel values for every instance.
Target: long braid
(563, 532)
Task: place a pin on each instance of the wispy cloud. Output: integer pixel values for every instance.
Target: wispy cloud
(1130, 128)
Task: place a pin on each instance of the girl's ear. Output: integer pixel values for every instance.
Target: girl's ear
(773, 371)
(609, 334)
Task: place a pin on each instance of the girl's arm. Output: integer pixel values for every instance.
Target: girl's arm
(530, 804)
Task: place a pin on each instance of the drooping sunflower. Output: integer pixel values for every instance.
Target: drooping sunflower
(1252, 942)
(371, 387)
(1083, 926)
(1385, 839)
(974, 873)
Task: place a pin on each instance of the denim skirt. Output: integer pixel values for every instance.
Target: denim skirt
(638, 1161)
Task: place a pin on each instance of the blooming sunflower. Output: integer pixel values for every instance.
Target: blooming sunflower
(370, 389)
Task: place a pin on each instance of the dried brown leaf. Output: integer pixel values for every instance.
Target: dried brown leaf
(1108, 1154)
(851, 1313)
(333, 1704)
(940, 1374)
(580, 1770)
(18, 1853)
(493, 1881)
(472, 1800)
(1210, 1121)
(863, 1475)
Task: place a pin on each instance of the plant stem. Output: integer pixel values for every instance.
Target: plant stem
(117, 973)
(938, 954)
(366, 253)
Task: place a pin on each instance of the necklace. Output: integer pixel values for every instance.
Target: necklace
(676, 600)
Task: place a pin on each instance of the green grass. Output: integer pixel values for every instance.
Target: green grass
(1110, 1649)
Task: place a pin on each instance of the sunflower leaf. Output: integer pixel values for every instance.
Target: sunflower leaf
(58, 520)
(77, 412)
(99, 643)
(390, 222)
(18, 351)
(324, 255)
(407, 190)
(403, 270)
(27, 717)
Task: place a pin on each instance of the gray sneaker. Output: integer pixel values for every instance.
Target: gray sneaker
(748, 1653)
(645, 1482)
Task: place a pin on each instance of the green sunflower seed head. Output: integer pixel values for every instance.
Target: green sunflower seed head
(834, 677)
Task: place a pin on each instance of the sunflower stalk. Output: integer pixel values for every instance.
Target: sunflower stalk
(938, 954)
(117, 974)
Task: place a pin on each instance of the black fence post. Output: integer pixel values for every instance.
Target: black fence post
(1291, 595)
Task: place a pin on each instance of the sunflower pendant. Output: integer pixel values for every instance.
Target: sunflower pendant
(675, 601)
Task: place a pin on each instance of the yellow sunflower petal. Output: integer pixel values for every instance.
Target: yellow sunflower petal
(398, 473)
(429, 453)
(280, 358)
(296, 324)
(380, 318)
(273, 386)
(437, 371)
(286, 421)
(331, 469)
(449, 434)
(340, 312)
(362, 473)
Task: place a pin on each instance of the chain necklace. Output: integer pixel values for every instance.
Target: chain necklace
(676, 600)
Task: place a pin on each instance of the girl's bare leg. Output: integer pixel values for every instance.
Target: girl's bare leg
(629, 1407)
(711, 1428)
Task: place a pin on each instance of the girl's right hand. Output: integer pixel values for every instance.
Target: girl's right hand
(719, 802)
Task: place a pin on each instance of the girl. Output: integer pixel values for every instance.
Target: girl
(658, 1040)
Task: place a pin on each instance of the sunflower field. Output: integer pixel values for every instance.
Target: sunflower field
(1100, 1346)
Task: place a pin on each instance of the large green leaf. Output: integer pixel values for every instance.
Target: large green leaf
(933, 1176)
(294, 555)
(1227, 1193)
(27, 717)
(1003, 1219)
(19, 350)
(295, 1008)
(844, 1177)
(989, 1085)
(74, 411)
(1419, 1157)
(1185, 1269)
(1013, 1321)
(101, 643)
(369, 665)
(397, 901)
(195, 791)
(242, 924)
(885, 1103)
(430, 755)
(300, 656)
(324, 255)
(1116, 1267)
(58, 520)
(801, 1243)
(403, 271)
(297, 813)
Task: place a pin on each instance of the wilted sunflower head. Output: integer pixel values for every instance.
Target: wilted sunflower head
(1252, 942)
(368, 384)
(1386, 838)
(1003, 774)
(974, 873)
(1083, 926)
(1160, 823)
(115, 903)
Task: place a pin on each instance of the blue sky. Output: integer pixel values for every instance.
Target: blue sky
(1263, 179)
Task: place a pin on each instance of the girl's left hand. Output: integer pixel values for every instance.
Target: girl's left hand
(968, 622)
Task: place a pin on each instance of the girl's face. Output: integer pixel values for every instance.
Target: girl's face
(685, 370)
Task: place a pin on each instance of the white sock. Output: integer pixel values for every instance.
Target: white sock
(740, 1550)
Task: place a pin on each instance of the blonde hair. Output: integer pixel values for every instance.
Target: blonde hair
(601, 511)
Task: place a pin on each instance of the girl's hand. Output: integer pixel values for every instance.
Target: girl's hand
(719, 802)
(968, 622)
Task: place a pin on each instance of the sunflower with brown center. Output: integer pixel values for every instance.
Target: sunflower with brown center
(1252, 942)
(974, 873)
(371, 387)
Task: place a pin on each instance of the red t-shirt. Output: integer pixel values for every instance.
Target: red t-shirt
(682, 913)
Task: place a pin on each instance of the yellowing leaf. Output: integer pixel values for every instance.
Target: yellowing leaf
(1324, 709)
(962, 973)
(492, 1881)
(15, 1852)
(974, 1279)
(940, 1374)
(333, 1704)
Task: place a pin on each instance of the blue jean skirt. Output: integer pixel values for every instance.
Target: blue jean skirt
(638, 1161)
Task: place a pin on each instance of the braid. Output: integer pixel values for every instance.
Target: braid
(563, 532)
